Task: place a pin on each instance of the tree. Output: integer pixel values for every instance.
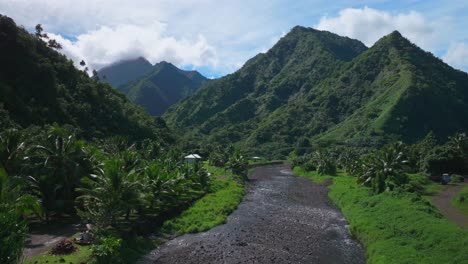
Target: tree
(52, 43)
(59, 164)
(109, 194)
(383, 170)
(95, 75)
(324, 163)
(39, 31)
(238, 164)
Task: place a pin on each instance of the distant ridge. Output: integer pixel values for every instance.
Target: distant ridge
(156, 87)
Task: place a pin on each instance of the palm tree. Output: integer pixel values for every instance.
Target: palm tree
(324, 163)
(12, 150)
(383, 170)
(110, 194)
(238, 164)
(64, 159)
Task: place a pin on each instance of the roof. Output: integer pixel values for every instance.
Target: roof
(193, 156)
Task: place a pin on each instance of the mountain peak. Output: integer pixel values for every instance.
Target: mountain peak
(123, 71)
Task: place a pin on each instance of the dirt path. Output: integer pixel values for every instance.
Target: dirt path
(283, 219)
(43, 238)
(442, 201)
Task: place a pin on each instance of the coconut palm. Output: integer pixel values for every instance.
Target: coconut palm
(324, 163)
(383, 170)
(238, 164)
(110, 194)
(63, 159)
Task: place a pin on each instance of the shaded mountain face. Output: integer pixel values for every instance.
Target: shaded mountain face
(40, 86)
(163, 86)
(125, 71)
(329, 89)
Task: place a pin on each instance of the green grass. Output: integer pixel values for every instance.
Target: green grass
(461, 201)
(398, 227)
(314, 176)
(211, 210)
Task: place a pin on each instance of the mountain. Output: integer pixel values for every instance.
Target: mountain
(163, 86)
(329, 89)
(125, 71)
(39, 86)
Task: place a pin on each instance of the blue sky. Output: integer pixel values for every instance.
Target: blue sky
(217, 37)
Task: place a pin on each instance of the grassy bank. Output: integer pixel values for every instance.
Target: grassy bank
(461, 200)
(211, 210)
(397, 227)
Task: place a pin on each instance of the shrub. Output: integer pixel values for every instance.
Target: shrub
(12, 237)
(107, 251)
(457, 178)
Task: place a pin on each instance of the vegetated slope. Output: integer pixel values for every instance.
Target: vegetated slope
(317, 85)
(231, 108)
(162, 87)
(125, 71)
(39, 86)
(413, 93)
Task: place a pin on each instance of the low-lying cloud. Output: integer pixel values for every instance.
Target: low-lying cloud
(457, 56)
(369, 25)
(109, 44)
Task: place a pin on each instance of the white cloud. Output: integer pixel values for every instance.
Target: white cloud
(109, 44)
(457, 56)
(368, 25)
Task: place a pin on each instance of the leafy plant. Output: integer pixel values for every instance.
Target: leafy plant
(383, 170)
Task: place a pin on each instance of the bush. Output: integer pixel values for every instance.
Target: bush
(107, 251)
(457, 178)
(12, 237)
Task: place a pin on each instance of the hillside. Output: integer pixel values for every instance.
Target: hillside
(163, 86)
(320, 86)
(125, 71)
(40, 86)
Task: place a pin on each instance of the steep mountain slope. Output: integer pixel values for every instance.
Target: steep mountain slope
(296, 63)
(162, 87)
(317, 85)
(125, 71)
(39, 86)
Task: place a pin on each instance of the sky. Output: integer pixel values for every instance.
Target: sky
(216, 37)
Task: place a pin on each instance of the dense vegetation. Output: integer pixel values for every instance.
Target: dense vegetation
(124, 189)
(156, 88)
(40, 86)
(73, 147)
(328, 89)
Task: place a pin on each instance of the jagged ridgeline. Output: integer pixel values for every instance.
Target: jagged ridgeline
(331, 90)
(40, 86)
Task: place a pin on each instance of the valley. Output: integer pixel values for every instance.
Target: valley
(320, 149)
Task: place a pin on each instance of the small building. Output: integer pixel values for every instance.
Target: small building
(192, 158)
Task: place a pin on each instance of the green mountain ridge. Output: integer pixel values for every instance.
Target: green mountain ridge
(162, 87)
(40, 86)
(124, 71)
(329, 89)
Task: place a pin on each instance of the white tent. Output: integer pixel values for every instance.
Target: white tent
(192, 157)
